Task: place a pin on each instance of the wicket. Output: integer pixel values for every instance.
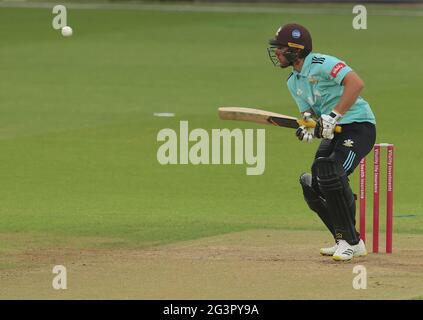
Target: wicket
(376, 190)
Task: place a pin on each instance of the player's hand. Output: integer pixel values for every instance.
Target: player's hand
(304, 133)
(326, 125)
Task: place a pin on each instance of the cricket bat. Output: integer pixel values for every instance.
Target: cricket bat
(266, 117)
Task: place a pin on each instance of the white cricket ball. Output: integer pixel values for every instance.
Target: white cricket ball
(67, 31)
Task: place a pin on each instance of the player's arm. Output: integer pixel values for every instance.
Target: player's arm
(353, 85)
(343, 75)
(303, 133)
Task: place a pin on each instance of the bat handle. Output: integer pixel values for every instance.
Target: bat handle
(312, 124)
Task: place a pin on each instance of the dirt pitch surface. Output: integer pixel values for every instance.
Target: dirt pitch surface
(257, 264)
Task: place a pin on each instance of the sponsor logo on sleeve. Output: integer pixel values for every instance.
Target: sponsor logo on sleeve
(337, 68)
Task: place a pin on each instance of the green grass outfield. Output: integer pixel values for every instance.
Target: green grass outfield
(78, 136)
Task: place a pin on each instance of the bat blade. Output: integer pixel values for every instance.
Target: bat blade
(265, 117)
(258, 116)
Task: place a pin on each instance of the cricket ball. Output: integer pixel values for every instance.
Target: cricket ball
(67, 31)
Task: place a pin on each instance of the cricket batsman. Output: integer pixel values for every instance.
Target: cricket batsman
(328, 90)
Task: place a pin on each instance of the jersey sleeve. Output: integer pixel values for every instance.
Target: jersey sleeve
(302, 105)
(334, 68)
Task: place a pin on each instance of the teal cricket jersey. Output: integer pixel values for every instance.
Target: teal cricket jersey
(318, 87)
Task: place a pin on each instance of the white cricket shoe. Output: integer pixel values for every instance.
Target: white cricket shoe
(344, 252)
(360, 249)
(329, 251)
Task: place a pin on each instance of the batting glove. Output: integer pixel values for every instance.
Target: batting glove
(326, 124)
(304, 133)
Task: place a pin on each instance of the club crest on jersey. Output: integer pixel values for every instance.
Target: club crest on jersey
(312, 79)
(348, 143)
(299, 92)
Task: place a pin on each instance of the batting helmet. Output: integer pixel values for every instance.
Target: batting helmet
(294, 36)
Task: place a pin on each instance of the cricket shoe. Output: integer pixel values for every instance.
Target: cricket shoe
(329, 251)
(360, 249)
(344, 252)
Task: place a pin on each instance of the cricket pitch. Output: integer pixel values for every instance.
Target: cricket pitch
(255, 264)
